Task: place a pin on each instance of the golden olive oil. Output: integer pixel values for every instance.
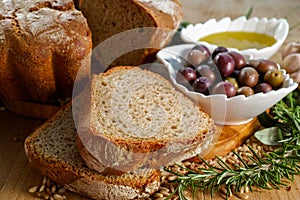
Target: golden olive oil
(240, 40)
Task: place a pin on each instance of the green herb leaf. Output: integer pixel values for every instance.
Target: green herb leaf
(248, 12)
(268, 136)
(266, 120)
(183, 25)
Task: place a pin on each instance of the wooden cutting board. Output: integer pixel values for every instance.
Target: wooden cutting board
(230, 138)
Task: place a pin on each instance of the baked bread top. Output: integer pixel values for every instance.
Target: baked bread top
(52, 150)
(135, 118)
(42, 46)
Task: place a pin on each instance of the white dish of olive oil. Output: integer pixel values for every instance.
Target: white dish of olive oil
(259, 37)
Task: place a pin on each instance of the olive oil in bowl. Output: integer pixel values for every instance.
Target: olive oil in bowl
(240, 40)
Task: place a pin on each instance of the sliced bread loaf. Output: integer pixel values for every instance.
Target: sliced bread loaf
(52, 150)
(133, 118)
(107, 18)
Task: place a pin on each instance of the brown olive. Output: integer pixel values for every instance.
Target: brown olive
(239, 59)
(274, 77)
(248, 76)
(245, 90)
(262, 87)
(263, 65)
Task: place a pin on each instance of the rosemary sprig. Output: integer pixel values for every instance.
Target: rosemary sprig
(248, 12)
(266, 172)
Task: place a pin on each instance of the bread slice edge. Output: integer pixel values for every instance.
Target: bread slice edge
(85, 181)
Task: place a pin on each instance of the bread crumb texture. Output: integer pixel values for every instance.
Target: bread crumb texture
(137, 119)
(140, 105)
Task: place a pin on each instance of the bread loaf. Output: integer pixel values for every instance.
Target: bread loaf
(134, 118)
(108, 18)
(42, 46)
(52, 150)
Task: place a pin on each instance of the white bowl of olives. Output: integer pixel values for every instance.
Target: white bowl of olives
(230, 86)
(260, 37)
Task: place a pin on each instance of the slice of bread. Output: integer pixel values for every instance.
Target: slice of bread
(133, 118)
(52, 150)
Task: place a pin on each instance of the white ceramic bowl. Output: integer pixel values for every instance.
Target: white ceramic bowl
(278, 28)
(225, 111)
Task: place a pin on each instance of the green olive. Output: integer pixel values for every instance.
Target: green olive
(233, 81)
(274, 77)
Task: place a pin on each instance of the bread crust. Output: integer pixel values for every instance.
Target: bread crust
(83, 180)
(146, 153)
(150, 14)
(43, 43)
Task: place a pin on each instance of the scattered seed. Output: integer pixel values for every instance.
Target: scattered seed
(223, 195)
(165, 173)
(188, 195)
(165, 193)
(163, 182)
(187, 164)
(242, 195)
(38, 194)
(49, 182)
(44, 180)
(231, 161)
(53, 188)
(58, 197)
(176, 198)
(158, 195)
(48, 191)
(42, 188)
(269, 185)
(224, 191)
(33, 189)
(247, 189)
(172, 178)
(161, 198)
(164, 189)
(242, 190)
(61, 190)
(171, 187)
(46, 196)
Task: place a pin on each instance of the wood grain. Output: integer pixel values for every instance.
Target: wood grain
(232, 137)
(16, 173)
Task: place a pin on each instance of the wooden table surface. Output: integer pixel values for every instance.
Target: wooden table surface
(16, 173)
